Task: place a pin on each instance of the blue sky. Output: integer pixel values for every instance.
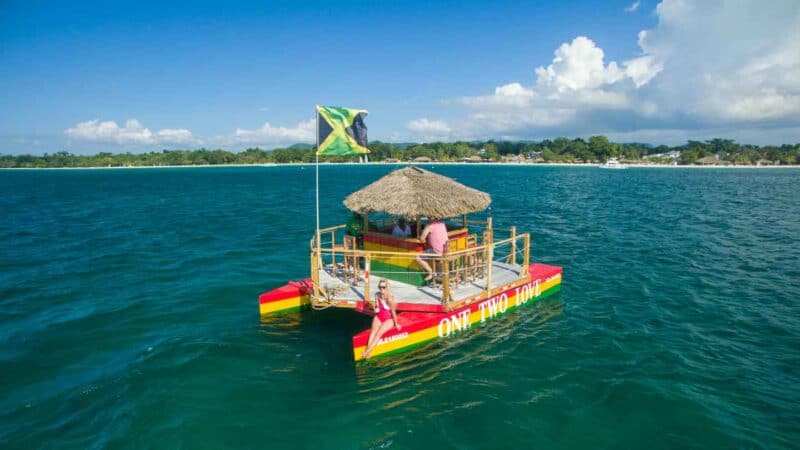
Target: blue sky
(89, 77)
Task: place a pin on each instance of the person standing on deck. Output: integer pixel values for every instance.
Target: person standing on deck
(385, 316)
(435, 236)
(355, 227)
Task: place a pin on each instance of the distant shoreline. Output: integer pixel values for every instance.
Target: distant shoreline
(448, 163)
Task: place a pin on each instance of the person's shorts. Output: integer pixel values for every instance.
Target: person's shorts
(429, 253)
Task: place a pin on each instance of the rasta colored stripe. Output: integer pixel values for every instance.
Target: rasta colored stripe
(422, 323)
(292, 296)
(419, 328)
(341, 131)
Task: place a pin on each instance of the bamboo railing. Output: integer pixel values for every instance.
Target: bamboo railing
(472, 264)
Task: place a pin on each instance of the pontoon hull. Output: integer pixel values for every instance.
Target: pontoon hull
(290, 297)
(420, 327)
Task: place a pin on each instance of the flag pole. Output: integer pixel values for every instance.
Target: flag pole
(316, 165)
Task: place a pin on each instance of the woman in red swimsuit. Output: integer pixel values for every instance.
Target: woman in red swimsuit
(385, 316)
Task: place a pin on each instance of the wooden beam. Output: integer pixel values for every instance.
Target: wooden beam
(513, 256)
(445, 262)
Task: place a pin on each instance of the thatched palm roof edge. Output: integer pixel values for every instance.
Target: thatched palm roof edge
(412, 192)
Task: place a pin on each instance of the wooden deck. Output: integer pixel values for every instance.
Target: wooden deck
(410, 296)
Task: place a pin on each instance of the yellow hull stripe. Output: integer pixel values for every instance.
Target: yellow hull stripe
(280, 305)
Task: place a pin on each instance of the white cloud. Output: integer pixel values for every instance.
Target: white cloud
(633, 6)
(602, 99)
(509, 95)
(26, 141)
(429, 130)
(727, 61)
(175, 135)
(641, 70)
(132, 133)
(711, 65)
(577, 78)
(428, 126)
(514, 90)
(576, 66)
(269, 135)
(109, 131)
(579, 66)
(675, 10)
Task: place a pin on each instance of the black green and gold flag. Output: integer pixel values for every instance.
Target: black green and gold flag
(341, 131)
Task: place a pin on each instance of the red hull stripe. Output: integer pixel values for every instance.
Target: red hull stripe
(419, 307)
(287, 291)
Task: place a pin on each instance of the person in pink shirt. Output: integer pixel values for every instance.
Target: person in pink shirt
(435, 236)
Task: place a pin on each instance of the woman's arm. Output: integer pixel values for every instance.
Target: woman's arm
(425, 232)
(393, 307)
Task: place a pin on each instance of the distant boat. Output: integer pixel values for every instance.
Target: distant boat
(613, 163)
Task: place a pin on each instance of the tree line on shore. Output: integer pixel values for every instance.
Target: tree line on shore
(595, 149)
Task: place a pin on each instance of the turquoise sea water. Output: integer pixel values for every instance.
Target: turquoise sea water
(129, 316)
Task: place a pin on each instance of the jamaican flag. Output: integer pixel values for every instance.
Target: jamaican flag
(341, 131)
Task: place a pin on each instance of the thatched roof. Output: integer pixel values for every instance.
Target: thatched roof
(412, 192)
(422, 159)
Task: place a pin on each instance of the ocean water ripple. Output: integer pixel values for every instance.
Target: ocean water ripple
(128, 315)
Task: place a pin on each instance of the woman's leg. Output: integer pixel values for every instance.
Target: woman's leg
(425, 266)
(376, 323)
(382, 329)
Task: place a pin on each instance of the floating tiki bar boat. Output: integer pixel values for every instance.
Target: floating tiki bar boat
(477, 278)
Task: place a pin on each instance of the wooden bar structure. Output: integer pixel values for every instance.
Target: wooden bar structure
(406, 270)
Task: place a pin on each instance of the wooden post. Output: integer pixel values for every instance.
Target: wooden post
(314, 278)
(490, 257)
(445, 262)
(489, 254)
(418, 225)
(367, 277)
(333, 251)
(526, 254)
(513, 256)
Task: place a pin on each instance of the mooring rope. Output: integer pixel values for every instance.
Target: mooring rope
(329, 293)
